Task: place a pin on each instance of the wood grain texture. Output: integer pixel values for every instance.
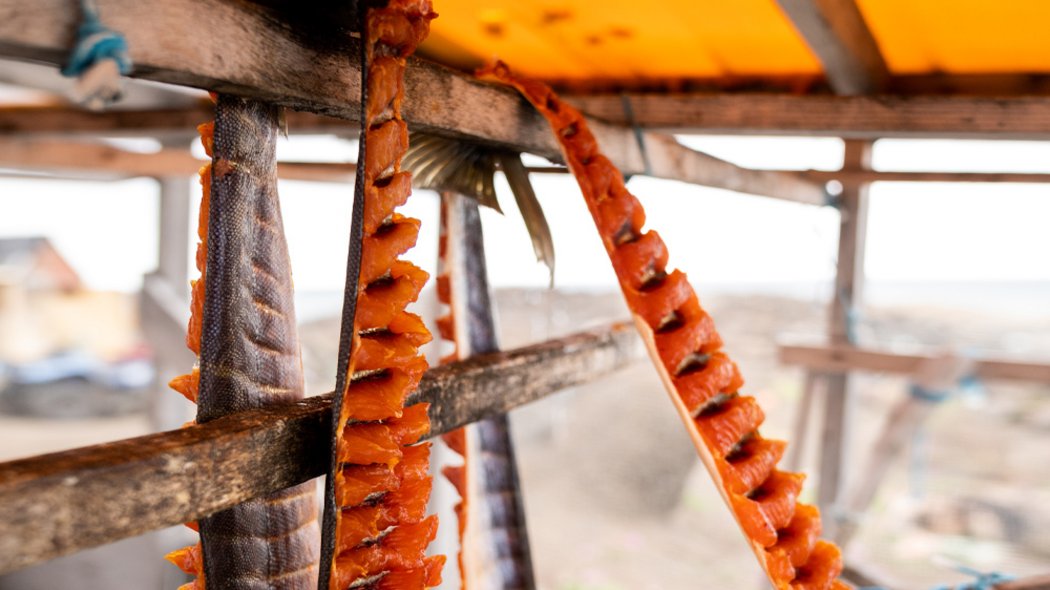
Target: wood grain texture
(839, 403)
(105, 161)
(837, 34)
(854, 117)
(832, 359)
(964, 177)
(66, 121)
(60, 503)
(244, 50)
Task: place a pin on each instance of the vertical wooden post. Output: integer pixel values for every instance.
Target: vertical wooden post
(853, 207)
(172, 263)
(164, 301)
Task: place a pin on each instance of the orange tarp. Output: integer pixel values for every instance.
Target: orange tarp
(622, 39)
(632, 42)
(961, 36)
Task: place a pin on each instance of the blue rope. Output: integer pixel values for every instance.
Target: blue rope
(984, 581)
(928, 395)
(94, 43)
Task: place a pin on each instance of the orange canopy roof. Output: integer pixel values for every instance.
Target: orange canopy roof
(633, 43)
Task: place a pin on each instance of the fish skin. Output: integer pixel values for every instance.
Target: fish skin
(250, 354)
(495, 552)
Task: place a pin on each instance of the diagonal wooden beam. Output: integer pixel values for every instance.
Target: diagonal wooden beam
(836, 32)
(851, 117)
(65, 502)
(242, 49)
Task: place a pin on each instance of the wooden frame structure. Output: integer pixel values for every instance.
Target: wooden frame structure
(319, 85)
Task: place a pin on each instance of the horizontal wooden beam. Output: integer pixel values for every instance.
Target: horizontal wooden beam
(106, 161)
(844, 359)
(66, 121)
(837, 34)
(241, 49)
(883, 176)
(60, 503)
(854, 117)
(1040, 582)
(1017, 84)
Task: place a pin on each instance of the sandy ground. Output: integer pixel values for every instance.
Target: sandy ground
(617, 500)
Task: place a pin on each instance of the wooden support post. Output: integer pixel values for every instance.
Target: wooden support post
(164, 301)
(853, 208)
(793, 461)
(174, 241)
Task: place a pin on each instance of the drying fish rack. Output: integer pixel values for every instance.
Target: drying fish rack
(58, 504)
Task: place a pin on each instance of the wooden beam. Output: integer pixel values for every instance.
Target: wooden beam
(849, 284)
(241, 49)
(982, 177)
(988, 85)
(65, 121)
(836, 32)
(852, 117)
(840, 359)
(1040, 582)
(108, 161)
(65, 502)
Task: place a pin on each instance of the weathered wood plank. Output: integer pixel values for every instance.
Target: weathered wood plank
(853, 117)
(241, 49)
(883, 176)
(60, 503)
(1041, 582)
(65, 121)
(108, 161)
(839, 359)
(849, 284)
(836, 32)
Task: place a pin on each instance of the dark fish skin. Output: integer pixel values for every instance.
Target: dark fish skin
(250, 351)
(494, 449)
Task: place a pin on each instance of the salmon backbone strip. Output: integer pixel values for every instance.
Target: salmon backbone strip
(382, 483)
(493, 539)
(456, 440)
(703, 382)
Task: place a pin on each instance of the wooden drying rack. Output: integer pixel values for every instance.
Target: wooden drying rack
(61, 503)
